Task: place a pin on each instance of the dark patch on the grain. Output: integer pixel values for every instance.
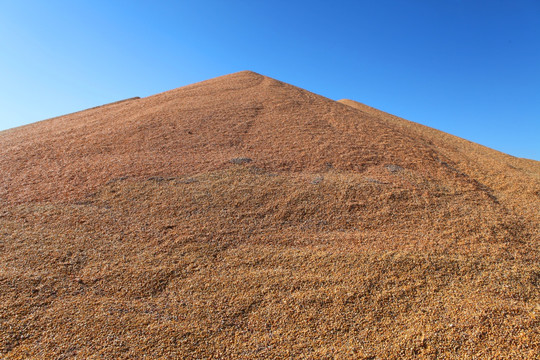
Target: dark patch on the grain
(241, 160)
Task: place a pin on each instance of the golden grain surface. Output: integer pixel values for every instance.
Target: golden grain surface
(244, 218)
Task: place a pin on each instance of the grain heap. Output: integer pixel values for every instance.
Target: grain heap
(242, 217)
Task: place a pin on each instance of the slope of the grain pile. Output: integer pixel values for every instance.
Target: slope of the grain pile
(514, 180)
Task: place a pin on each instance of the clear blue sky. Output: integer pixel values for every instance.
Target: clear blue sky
(467, 67)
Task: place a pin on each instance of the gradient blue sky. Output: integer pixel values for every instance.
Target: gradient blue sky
(467, 67)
